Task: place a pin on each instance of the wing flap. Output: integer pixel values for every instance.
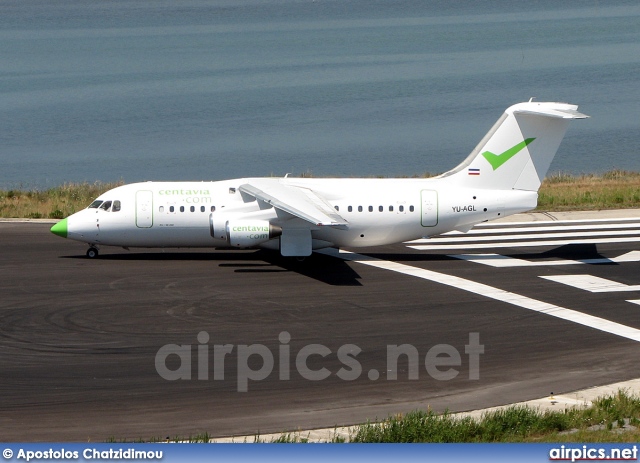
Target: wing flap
(297, 201)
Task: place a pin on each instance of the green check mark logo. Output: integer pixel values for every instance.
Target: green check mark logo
(496, 160)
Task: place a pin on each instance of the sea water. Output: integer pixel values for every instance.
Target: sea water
(139, 90)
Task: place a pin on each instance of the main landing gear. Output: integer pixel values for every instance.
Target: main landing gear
(92, 252)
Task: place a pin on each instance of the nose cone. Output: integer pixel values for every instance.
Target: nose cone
(60, 228)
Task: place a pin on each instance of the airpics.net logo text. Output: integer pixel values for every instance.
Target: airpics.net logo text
(256, 362)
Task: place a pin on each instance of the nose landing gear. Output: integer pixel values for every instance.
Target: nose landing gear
(92, 252)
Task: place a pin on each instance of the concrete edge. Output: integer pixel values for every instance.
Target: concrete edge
(9, 220)
(561, 402)
(606, 214)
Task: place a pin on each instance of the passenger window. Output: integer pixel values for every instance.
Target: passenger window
(181, 208)
(116, 206)
(350, 209)
(172, 209)
(359, 208)
(390, 208)
(192, 208)
(337, 208)
(105, 205)
(370, 208)
(201, 208)
(95, 205)
(380, 208)
(411, 208)
(213, 208)
(161, 208)
(401, 208)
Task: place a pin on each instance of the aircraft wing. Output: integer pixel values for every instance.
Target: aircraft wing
(297, 201)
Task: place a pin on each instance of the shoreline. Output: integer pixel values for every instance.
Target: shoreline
(612, 190)
(524, 217)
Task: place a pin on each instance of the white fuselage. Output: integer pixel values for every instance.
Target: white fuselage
(378, 212)
(501, 176)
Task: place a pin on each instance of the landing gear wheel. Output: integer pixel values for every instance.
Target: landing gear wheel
(92, 253)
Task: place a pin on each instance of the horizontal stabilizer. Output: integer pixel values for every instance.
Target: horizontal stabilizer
(552, 112)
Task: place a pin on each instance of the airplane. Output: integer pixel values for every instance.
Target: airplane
(296, 216)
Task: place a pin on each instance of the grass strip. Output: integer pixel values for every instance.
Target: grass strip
(54, 203)
(609, 418)
(616, 189)
(613, 418)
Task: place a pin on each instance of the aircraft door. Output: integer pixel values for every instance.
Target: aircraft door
(144, 209)
(429, 206)
(97, 230)
(103, 209)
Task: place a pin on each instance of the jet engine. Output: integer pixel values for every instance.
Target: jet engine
(247, 233)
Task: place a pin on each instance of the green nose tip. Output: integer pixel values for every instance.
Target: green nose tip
(60, 228)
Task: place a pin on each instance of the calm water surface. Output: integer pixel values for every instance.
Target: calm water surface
(206, 90)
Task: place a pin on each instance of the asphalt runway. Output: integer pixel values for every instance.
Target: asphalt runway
(79, 337)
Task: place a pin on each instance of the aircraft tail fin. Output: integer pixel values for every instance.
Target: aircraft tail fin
(516, 153)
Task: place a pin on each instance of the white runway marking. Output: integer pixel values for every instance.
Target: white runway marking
(559, 222)
(531, 236)
(500, 261)
(483, 229)
(591, 283)
(524, 244)
(513, 235)
(493, 293)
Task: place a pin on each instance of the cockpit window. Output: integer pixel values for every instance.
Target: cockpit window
(106, 205)
(116, 206)
(95, 204)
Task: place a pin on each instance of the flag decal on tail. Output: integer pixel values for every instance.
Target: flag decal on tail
(474, 171)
